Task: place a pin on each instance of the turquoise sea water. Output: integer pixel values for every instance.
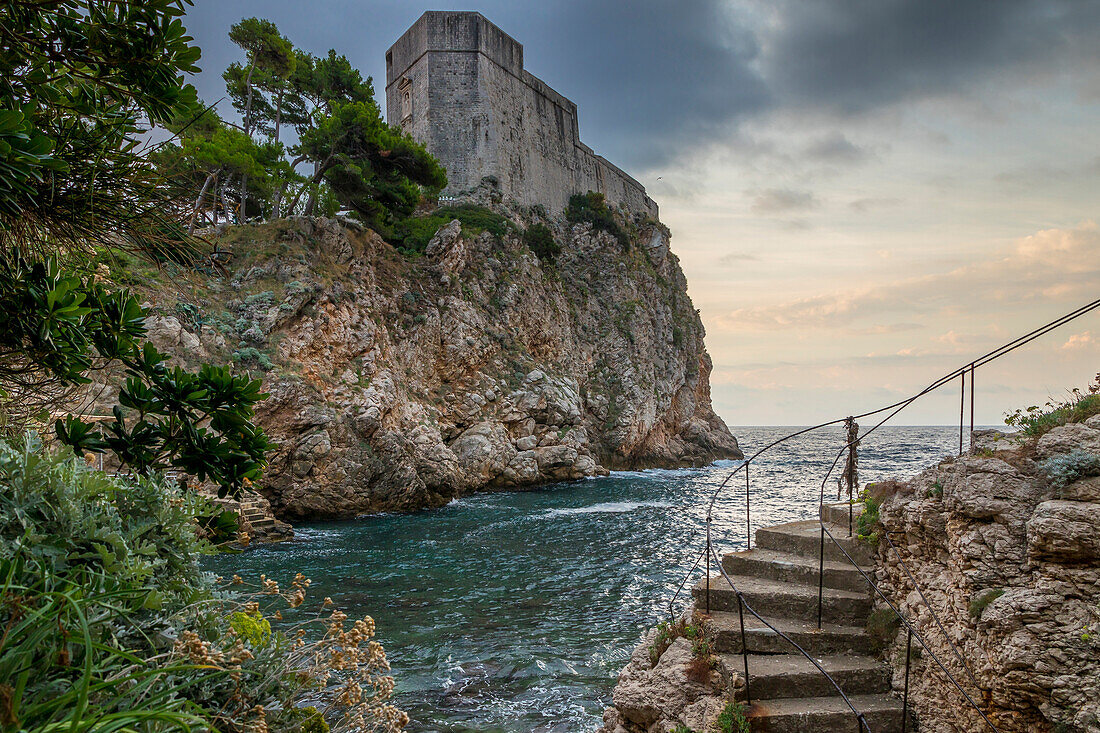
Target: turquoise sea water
(515, 611)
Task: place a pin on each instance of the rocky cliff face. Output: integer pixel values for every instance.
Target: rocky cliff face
(397, 384)
(1005, 543)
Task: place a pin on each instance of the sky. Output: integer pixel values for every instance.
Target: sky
(863, 194)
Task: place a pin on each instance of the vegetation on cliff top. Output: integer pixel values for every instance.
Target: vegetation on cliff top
(108, 622)
(1036, 421)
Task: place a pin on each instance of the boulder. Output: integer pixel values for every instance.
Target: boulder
(1065, 531)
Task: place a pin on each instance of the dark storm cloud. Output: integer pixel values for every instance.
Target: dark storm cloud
(851, 55)
(655, 80)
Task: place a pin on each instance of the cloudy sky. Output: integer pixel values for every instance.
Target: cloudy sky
(864, 194)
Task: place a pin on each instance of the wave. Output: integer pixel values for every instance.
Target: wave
(609, 507)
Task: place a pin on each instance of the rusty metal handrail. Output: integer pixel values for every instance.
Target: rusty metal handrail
(892, 410)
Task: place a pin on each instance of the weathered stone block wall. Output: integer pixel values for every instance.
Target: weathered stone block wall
(473, 105)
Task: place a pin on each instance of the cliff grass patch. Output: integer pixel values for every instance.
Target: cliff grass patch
(882, 627)
(1036, 421)
(982, 599)
(732, 719)
(592, 208)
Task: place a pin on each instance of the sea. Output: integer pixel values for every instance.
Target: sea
(512, 612)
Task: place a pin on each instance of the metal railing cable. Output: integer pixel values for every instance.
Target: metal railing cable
(935, 616)
(912, 631)
(741, 602)
(892, 410)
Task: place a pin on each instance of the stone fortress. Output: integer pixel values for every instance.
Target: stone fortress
(456, 83)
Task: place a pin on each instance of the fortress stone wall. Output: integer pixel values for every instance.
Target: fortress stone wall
(456, 83)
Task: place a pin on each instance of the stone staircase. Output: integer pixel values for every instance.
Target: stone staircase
(779, 580)
(255, 518)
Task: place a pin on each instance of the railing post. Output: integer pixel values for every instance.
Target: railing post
(820, 575)
(962, 408)
(851, 470)
(971, 407)
(748, 522)
(905, 699)
(708, 563)
(744, 646)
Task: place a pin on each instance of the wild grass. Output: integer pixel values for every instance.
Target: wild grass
(1036, 421)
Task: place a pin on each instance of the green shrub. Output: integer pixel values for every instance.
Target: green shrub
(868, 522)
(251, 355)
(732, 719)
(681, 728)
(540, 239)
(1036, 421)
(477, 219)
(110, 625)
(1066, 468)
(413, 234)
(979, 602)
(592, 208)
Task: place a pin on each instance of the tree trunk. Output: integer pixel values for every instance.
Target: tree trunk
(248, 102)
(242, 212)
(198, 202)
(320, 172)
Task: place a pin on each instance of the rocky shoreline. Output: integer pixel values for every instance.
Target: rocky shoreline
(1004, 542)
(400, 383)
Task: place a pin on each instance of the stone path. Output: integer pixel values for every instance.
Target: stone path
(779, 580)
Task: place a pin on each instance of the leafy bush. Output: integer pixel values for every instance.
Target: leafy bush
(477, 219)
(1036, 421)
(252, 355)
(57, 326)
(540, 239)
(1066, 468)
(868, 522)
(591, 207)
(414, 233)
(666, 634)
(111, 626)
(732, 719)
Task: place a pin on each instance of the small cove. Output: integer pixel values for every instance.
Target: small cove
(515, 611)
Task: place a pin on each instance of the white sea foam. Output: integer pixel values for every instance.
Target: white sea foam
(608, 507)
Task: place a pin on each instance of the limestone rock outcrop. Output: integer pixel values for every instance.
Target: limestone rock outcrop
(398, 383)
(659, 697)
(1010, 560)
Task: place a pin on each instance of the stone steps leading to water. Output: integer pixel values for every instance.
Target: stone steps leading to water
(779, 580)
(804, 538)
(724, 631)
(883, 713)
(790, 568)
(776, 599)
(773, 676)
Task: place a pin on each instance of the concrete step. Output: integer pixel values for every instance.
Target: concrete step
(777, 600)
(773, 676)
(262, 523)
(804, 538)
(838, 513)
(776, 565)
(883, 712)
(724, 632)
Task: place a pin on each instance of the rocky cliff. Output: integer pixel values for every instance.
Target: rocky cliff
(401, 382)
(1005, 543)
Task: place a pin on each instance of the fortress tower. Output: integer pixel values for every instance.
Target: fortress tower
(456, 83)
